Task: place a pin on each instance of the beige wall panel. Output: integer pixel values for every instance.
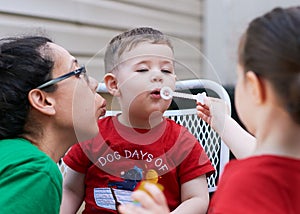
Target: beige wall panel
(111, 14)
(76, 38)
(84, 27)
(179, 6)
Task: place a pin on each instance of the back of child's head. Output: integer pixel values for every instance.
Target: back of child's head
(271, 48)
(128, 40)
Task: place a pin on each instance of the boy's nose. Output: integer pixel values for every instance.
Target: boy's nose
(157, 77)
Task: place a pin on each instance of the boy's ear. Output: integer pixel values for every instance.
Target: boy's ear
(256, 86)
(41, 102)
(111, 84)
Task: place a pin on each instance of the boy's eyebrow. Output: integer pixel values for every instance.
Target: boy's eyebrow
(169, 61)
(142, 62)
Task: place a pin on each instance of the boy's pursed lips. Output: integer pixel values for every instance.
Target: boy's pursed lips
(155, 93)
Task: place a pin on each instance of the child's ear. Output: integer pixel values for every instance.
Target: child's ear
(41, 102)
(256, 86)
(111, 84)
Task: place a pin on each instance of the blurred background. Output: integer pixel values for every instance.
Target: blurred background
(205, 32)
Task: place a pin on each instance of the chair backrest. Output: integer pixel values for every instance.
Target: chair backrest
(216, 150)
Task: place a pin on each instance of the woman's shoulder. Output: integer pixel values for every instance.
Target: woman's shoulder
(20, 154)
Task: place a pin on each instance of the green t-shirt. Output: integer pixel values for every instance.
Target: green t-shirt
(30, 181)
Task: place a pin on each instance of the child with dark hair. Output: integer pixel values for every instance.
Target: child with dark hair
(268, 103)
(138, 144)
(41, 85)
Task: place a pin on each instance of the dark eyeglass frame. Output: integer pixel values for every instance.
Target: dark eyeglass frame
(63, 77)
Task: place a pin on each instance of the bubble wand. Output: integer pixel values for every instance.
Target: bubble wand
(167, 93)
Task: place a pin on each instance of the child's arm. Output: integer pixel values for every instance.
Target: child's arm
(194, 196)
(73, 192)
(215, 113)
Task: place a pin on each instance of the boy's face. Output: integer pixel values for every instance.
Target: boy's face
(143, 71)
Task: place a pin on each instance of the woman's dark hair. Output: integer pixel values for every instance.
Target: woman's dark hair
(25, 63)
(271, 48)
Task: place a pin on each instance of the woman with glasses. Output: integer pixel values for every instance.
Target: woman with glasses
(47, 103)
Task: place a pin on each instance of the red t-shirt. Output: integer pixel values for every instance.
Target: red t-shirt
(119, 158)
(260, 185)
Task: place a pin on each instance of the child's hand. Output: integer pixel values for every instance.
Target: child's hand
(151, 202)
(213, 111)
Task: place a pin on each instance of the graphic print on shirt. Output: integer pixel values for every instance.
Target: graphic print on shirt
(119, 192)
(131, 178)
(105, 161)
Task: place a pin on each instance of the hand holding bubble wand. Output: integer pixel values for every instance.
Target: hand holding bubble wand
(167, 93)
(151, 177)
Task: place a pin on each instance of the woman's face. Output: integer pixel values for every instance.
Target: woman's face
(77, 104)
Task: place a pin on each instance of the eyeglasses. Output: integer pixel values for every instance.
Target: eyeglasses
(76, 72)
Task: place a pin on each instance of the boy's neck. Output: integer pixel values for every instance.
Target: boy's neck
(141, 123)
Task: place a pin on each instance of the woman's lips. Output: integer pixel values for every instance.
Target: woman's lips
(102, 109)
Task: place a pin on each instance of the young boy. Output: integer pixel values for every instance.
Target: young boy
(139, 143)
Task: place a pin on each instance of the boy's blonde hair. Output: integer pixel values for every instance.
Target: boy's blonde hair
(130, 39)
